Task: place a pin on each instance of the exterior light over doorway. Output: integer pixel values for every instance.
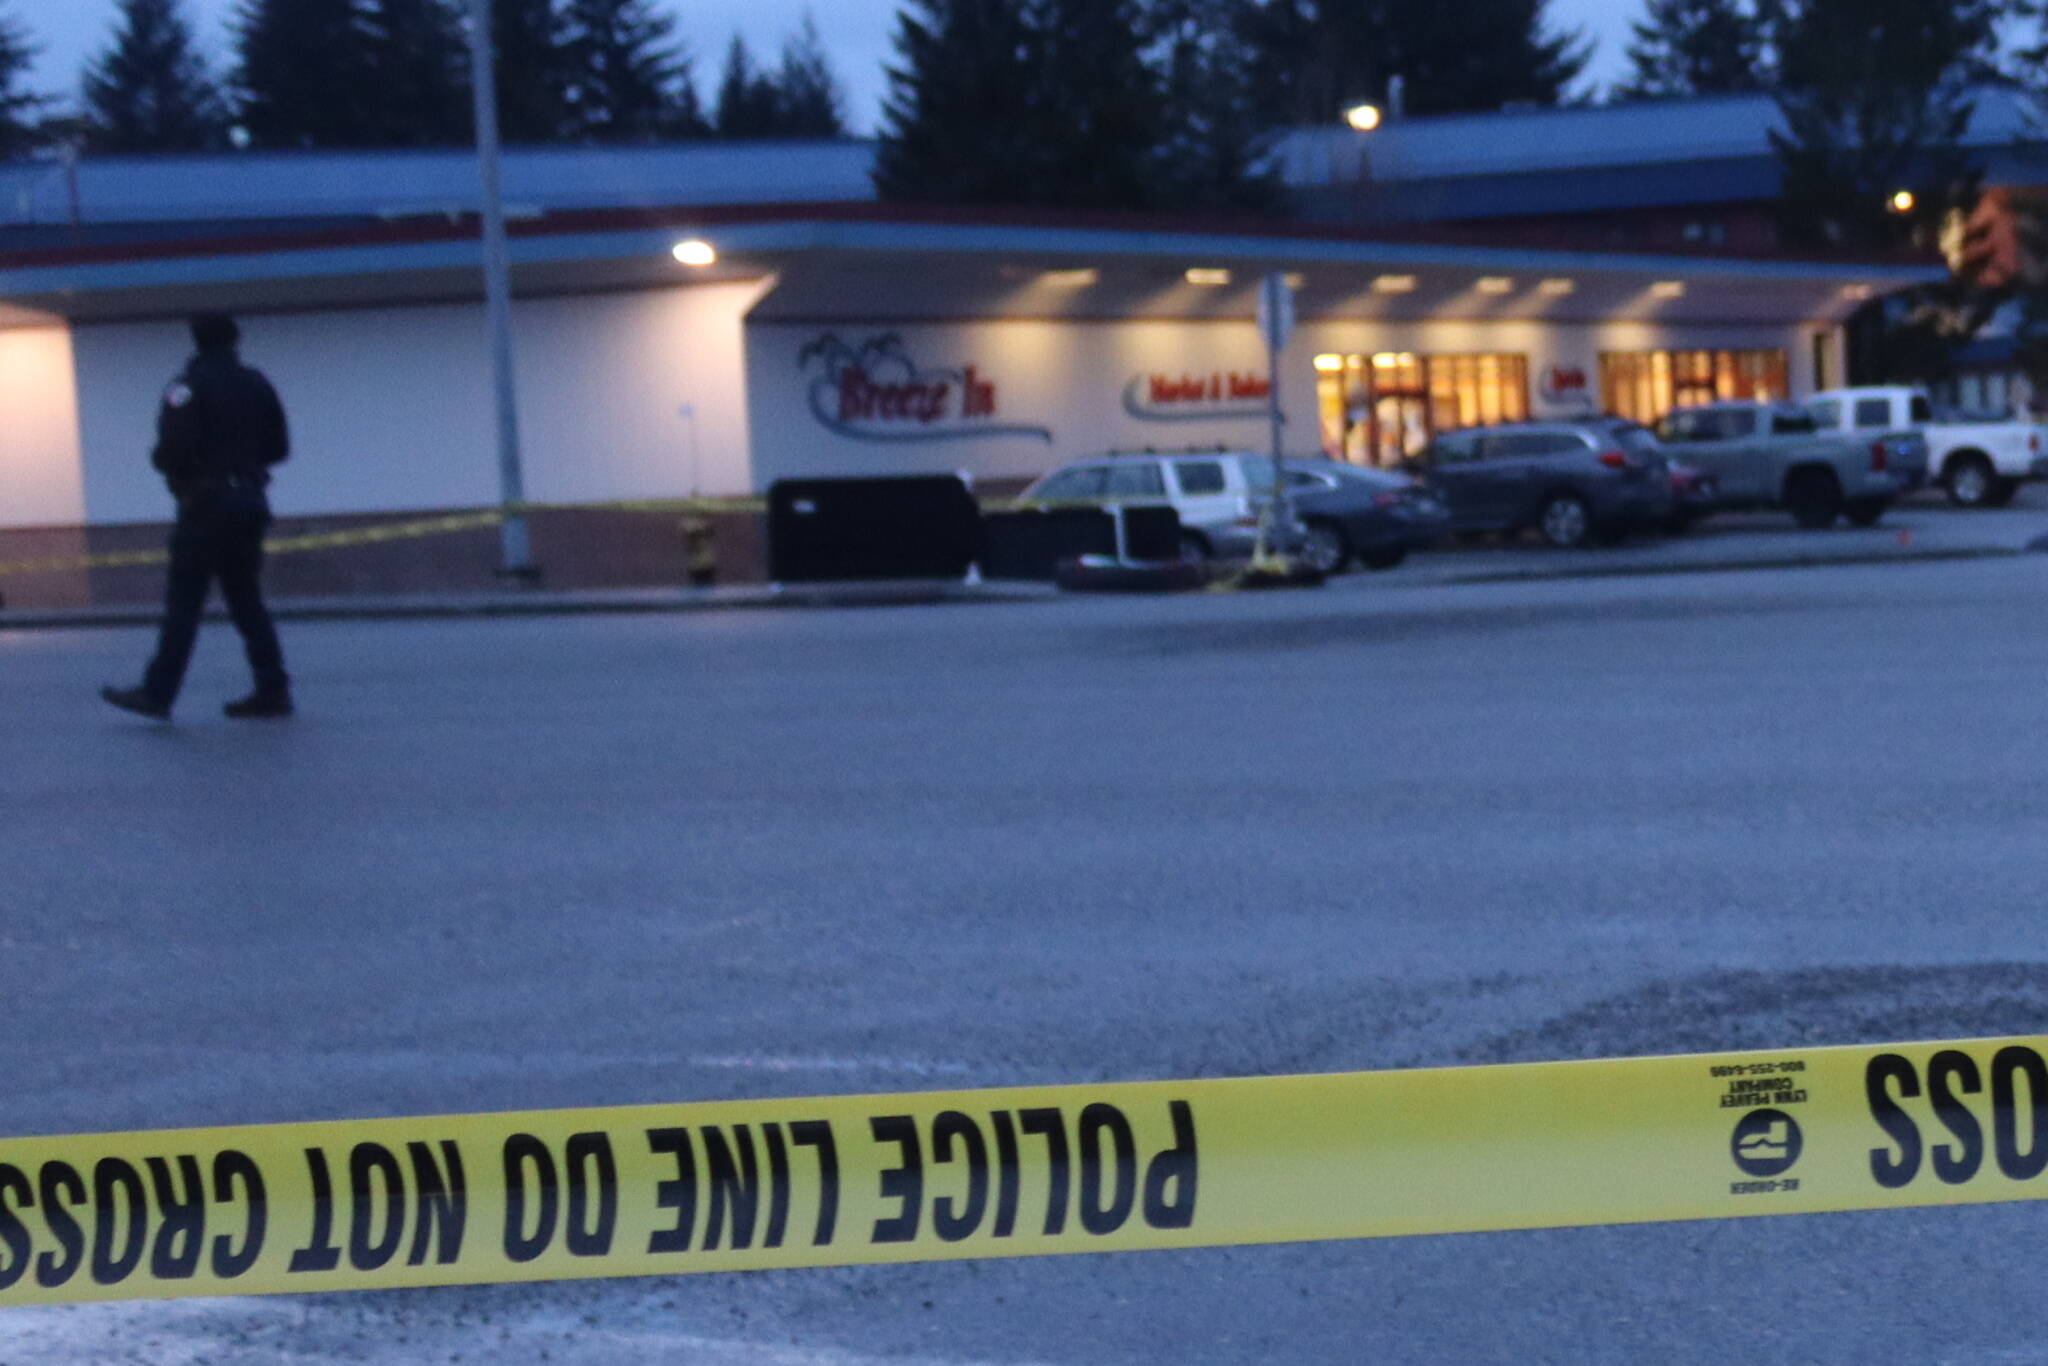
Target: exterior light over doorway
(695, 252)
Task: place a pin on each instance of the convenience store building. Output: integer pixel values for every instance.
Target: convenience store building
(821, 334)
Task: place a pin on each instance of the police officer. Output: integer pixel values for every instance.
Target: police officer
(219, 430)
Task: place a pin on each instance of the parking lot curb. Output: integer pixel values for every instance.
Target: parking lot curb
(541, 603)
(1731, 566)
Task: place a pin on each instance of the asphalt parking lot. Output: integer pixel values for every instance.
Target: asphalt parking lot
(597, 860)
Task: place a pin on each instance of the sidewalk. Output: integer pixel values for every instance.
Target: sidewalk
(1918, 531)
(531, 602)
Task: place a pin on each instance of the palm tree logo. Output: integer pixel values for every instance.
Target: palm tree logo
(878, 392)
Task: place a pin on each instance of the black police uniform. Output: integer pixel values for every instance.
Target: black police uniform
(219, 430)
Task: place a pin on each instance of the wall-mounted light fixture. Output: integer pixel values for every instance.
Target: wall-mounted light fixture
(1668, 289)
(1557, 287)
(1496, 284)
(695, 251)
(1363, 117)
(1071, 279)
(1393, 284)
(1207, 275)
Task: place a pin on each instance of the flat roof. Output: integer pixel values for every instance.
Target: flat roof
(850, 258)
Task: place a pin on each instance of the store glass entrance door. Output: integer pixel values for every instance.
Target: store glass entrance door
(1382, 408)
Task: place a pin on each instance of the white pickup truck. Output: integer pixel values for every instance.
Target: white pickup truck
(1979, 463)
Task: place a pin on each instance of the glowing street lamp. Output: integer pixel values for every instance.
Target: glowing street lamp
(1903, 201)
(1363, 117)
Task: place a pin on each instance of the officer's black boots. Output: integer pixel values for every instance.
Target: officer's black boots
(261, 704)
(141, 701)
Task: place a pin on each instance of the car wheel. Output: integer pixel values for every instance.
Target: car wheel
(1971, 481)
(1814, 498)
(1193, 549)
(1866, 511)
(1565, 521)
(1383, 559)
(1323, 548)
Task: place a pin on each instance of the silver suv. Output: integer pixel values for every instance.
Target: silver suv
(1601, 478)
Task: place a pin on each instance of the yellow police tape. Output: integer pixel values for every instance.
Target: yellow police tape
(391, 531)
(552, 1194)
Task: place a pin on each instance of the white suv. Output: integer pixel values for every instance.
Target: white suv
(1218, 494)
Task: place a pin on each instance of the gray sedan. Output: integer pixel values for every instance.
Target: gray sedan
(1352, 512)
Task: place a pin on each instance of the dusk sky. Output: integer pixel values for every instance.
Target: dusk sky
(855, 31)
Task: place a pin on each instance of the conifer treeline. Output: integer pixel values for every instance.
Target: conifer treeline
(395, 73)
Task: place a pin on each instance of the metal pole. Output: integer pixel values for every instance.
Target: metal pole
(1279, 516)
(1276, 528)
(515, 553)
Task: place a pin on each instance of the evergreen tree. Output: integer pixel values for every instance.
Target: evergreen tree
(534, 73)
(419, 54)
(305, 76)
(954, 121)
(148, 91)
(1875, 96)
(749, 102)
(1697, 47)
(808, 93)
(1209, 154)
(18, 105)
(1097, 114)
(1311, 58)
(1023, 102)
(626, 80)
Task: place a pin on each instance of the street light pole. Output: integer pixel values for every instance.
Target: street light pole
(1276, 324)
(515, 553)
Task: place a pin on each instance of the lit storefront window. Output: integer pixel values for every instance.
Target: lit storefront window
(1645, 385)
(1378, 409)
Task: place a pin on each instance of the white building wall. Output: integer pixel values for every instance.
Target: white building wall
(391, 408)
(1063, 389)
(41, 483)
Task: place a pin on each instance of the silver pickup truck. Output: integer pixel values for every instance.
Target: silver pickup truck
(1770, 455)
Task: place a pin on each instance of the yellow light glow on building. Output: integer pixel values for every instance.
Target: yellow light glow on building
(1071, 279)
(1496, 284)
(1558, 287)
(1668, 289)
(1206, 275)
(1393, 284)
(1329, 365)
(1363, 117)
(695, 252)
